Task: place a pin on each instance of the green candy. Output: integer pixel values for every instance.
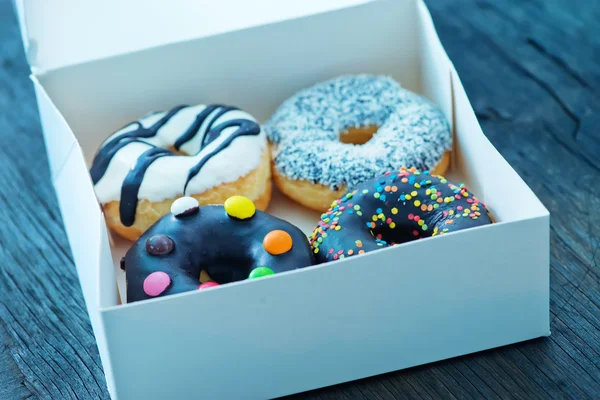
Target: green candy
(259, 272)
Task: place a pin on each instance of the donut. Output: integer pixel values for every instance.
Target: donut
(196, 247)
(345, 131)
(209, 152)
(395, 208)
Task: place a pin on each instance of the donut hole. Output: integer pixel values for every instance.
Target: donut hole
(358, 136)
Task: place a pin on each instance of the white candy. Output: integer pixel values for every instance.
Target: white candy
(183, 204)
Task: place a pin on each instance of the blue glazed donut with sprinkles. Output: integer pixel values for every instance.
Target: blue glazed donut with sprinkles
(340, 133)
(196, 248)
(395, 208)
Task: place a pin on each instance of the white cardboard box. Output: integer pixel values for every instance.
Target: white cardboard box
(105, 64)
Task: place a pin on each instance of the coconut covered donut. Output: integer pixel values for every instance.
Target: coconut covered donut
(209, 152)
(394, 208)
(342, 132)
(195, 247)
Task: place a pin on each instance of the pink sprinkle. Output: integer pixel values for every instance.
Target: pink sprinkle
(156, 283)
(335, 256)
(388, 221)
(330, 251)
(459, 208)
(457, 197)
(350, 204)
(207, 285)
(387, 173)
(415, 233)
(469, 200)
(341, 252)
(471, 215)
(342, 208)
(439, 194)
(411, 217)
(445, 213)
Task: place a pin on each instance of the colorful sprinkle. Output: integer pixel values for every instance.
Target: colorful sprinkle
(159, 245)
(239, 207)
(207, 285)
(156, 283)
(184, 207)
(259, 272)
(277, 242)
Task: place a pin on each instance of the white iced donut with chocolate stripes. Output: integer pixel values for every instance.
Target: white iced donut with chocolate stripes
(209, 152)
(337, 134)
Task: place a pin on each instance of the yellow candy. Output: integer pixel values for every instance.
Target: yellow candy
(239, 207)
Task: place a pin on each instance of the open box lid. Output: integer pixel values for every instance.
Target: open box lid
(60, 33)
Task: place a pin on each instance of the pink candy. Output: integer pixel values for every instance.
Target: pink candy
(207, 285)
(156, 283)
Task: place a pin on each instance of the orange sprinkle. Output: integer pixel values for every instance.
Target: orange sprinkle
(440, 200)
(394, 189)
(449, 221)
(387, 188)
(277, 242)
(424, 207)
(429, 208)
(404, 180)
(361, 252)
(350, 252)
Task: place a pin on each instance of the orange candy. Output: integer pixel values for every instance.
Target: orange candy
(277, 242)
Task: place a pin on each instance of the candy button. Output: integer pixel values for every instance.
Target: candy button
(259, 272)
(207, 285)
(239, 207)
(158, 245)
(156, 283)
(277, 242)
(184, 207)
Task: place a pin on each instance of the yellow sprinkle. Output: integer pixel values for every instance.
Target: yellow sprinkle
(393, 225)
(421, 222)
(451, 212)
(408, 197)
(374, 217)
(316, 250)
(337, 228)
(428, 192)
(413, 193)
(239, 207)
(465, 194)
(381, 216)
(417, 185)
(417, 203)
(447, 200)
(394, 211)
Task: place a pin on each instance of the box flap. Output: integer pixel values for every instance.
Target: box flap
(66, 32)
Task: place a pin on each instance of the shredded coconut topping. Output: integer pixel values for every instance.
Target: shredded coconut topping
(306, 128)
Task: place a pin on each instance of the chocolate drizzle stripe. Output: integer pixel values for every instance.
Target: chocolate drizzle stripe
(245, 128)
(191, 132)
(133, 181)
(106, 153)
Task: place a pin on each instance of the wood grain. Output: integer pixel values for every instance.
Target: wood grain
(532, 71)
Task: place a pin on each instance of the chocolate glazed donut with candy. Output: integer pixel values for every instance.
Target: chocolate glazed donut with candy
(199, 247)
(395, 208)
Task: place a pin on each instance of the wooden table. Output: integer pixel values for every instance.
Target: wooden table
(532, 71)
